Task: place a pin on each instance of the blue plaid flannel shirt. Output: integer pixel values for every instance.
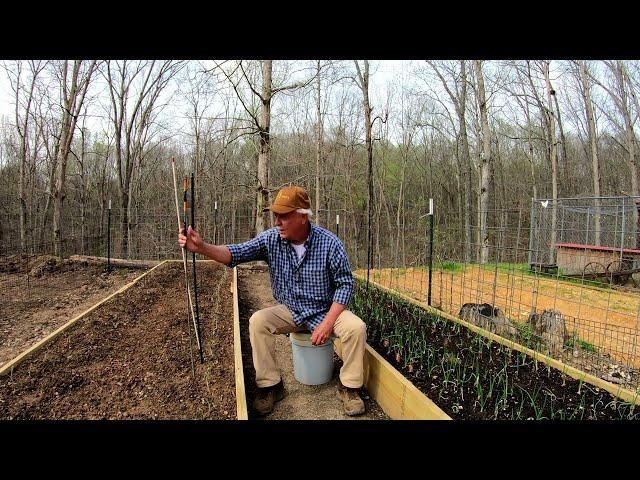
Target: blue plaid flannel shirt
(307, 286)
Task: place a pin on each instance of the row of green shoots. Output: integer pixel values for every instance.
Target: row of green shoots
(470, 376)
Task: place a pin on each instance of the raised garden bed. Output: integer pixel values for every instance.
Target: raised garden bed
(471, 374)
(39, 293)
(397, 396)
(130, 358)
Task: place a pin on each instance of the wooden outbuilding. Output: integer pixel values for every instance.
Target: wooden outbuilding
(578, 259)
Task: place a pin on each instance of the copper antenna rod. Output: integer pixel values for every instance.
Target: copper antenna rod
(195, 282)
(184, 258)
(196, 318)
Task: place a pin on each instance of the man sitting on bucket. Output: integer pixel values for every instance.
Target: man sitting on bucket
(312, 283)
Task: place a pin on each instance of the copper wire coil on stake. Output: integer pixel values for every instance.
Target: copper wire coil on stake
(196, 326)
(184, 262)
(185, 186)
(195, 282)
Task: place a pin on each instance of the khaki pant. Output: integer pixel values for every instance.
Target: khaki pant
(265, 324)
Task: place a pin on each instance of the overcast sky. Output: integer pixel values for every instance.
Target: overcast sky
(384, 70)
(382, 73)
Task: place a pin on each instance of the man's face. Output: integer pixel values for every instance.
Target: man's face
(290, 225)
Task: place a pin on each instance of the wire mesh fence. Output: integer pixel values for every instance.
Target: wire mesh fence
(590, 323)
(26, 270)
(605, 228)
(586, 319)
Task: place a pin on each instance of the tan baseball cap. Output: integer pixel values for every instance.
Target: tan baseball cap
(290, 199)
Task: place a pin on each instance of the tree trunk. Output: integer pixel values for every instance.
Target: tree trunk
(59, 192)
(563, 143)
(363, 77)
(264, 155)
(620, 75)
(83, 192)
(93, 260)
(72, 101)
(23, 203)
(553, 158)
(367, 118)
(318, 146)
(485, 166)
(400, 205)
(629, 132)
(466, 162)
(593, 147)
(23, 133)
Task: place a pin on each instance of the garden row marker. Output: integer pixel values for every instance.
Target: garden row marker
(195, 283)
(184, 259)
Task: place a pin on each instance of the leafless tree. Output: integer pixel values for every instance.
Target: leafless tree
(485, 165)
(23, 85)
(74, 83)
(238, 76)
(457, 92)
(134, 90)
(585, 91)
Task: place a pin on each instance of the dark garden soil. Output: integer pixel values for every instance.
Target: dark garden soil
(470, 377)
(39, 294)
(130, 358)
(302, 402)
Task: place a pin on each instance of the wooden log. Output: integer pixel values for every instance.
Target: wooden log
(118, 262)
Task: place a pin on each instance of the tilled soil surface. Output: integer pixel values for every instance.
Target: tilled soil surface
(130, 358)
(38, 294)
(302, 402)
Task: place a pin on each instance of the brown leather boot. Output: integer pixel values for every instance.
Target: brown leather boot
(267, 397)
(353, 404)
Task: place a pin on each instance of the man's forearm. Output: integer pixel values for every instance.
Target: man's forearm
(334, 312)
(219, 253)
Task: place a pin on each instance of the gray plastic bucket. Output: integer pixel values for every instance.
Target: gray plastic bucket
(312, 364)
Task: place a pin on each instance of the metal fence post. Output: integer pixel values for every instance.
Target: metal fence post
(109, 238)
(532, 228)
(215, 223)
(430, 249)
(622, 235)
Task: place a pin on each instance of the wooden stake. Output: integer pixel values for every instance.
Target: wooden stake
(184, 257)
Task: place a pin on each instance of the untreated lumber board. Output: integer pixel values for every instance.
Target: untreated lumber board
(397, 396)
(241, 397)
(118, 262)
